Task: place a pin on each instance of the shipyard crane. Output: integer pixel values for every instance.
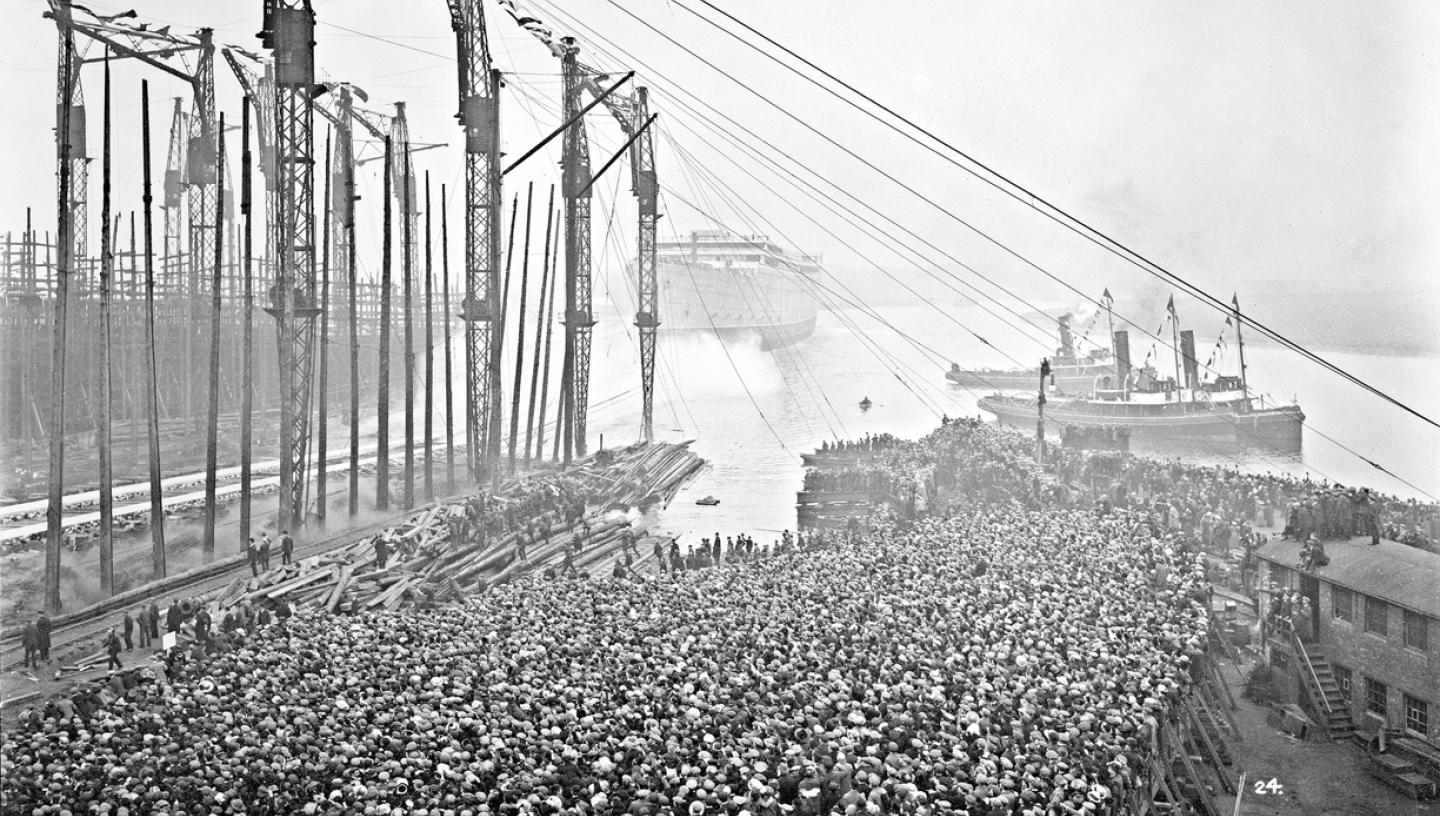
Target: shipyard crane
(174, 191)
(479, 115)
(70, 133)
(289, 28)
(190, 58)
(260, 88)
(633, 115)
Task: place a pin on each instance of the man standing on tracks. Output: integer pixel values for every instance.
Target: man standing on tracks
(142, 622)
(31, 641)
(174, 617)
(42, 624)
(154, 621)
(127, 626)
(265, 554)
(112, 649)
(287, 547)
(252, 554)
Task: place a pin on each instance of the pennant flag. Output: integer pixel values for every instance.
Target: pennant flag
(1106, 297)
(1235, 301)
(1227, 322)
(1170, 307)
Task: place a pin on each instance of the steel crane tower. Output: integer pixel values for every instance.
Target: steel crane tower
(579, 320)
(261, 90)
(173, 188)
(70, 107)
(479, 115)
(634, 116)
(289, 29)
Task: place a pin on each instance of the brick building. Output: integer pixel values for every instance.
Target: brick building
(1371, 642)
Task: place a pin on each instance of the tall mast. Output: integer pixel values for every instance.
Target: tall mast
(1175, 344)
(1240, 341)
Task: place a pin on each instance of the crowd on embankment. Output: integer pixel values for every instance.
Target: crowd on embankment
(1009, 655)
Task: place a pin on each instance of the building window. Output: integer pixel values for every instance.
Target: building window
(1417, 631)
(1342, 602)
(1417, 715)
(1375, 694)
(1376, 616)
(1344, 679)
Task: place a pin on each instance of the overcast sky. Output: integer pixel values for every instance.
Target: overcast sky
(1258, 146)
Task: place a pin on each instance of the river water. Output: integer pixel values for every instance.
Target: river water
(753, 412)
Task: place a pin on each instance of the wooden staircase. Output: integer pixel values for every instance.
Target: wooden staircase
(1327, 701)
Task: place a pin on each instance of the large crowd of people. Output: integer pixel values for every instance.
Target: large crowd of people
(1005, 653)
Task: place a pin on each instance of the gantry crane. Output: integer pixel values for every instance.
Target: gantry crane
(579, 319)
(479, 115)
(190, 58)
(633, 115)
(260, 87)
(289, 28)
(174, 191)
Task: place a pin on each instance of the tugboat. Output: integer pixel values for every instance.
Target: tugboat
(1154, 410)
(1070, 372)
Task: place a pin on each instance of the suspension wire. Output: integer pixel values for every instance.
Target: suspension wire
(856, 301)
(1141, 329)
(798, 362)
(1024, 195)
(822, 177)
(773, 228)
(690, 182)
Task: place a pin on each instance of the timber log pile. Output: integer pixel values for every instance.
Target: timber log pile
(427, 566)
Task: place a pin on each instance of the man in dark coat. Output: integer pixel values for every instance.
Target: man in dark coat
(265, 554)
(42, 624)
(174, 617)
(142, 625)
(287, 547)
(31, 642)
(202, 625)
(252, 554)
(382, 552)
(154, 621)
(112, 649)
(127, 626)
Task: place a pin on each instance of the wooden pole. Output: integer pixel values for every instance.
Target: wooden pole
(350, 273)
(382, 430)
(545, 369)
(212, 414)
(322, 437)
(520, 329)
(449, 372)
(102, 430)
(407, 274)
(152, 398)
(63, 238)
(539, 326)
(495, 409)
(247, 340)
(429, 354)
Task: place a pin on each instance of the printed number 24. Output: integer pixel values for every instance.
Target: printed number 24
(1271, 786)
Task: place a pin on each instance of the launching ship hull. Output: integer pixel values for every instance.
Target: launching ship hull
(1227, 424)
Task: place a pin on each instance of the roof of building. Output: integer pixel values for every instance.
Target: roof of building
(1401, 574)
